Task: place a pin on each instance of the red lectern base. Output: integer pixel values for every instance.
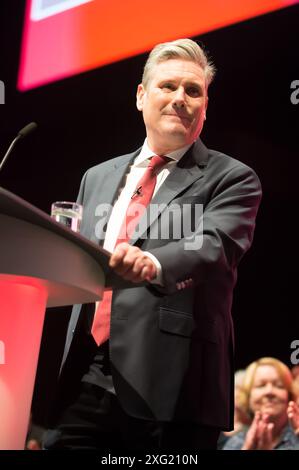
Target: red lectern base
(22, 310)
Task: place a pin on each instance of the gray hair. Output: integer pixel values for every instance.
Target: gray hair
(185, 49)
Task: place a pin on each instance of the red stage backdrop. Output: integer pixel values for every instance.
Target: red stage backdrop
(66, 37)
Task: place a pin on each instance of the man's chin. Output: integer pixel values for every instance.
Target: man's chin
(179, 133)
(170, 139)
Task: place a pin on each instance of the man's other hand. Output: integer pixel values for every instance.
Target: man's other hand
(132, 264)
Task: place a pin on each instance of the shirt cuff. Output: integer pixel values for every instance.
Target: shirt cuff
(158, 278)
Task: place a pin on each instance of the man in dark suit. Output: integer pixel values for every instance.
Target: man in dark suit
(163, 376)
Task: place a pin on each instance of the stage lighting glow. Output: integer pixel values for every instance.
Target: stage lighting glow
(66, 37)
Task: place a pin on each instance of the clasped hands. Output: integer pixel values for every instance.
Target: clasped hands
(132, 264)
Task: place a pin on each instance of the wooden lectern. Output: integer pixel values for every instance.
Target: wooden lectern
(42, 264)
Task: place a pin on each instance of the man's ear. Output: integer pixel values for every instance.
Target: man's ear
(140, 97)
(206, 107)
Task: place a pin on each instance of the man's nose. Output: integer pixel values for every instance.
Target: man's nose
(179, 98)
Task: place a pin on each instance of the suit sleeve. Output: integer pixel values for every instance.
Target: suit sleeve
(80, 197)
(221, 236)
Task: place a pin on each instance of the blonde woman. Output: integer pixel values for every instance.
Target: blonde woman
(267, 387)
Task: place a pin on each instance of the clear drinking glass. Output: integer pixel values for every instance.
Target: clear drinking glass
(68, 214)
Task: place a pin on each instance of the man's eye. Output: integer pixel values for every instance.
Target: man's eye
(193, 92)
(168, 86)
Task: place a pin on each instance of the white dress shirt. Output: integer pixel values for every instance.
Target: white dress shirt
(135, 173)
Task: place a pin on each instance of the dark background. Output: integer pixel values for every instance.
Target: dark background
(92, 117)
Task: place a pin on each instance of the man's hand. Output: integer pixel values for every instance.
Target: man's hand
(132, 264)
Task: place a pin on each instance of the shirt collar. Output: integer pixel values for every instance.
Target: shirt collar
(147, 153)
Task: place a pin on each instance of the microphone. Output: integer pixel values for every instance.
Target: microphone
(21, 134)
(137, 192)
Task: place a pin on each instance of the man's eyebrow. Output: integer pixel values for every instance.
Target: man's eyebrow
(195, 84)
(187, 83)
(168, 80)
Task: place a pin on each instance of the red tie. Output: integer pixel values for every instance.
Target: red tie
(136, 208)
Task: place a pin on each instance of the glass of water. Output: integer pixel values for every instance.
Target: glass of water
(68, 214)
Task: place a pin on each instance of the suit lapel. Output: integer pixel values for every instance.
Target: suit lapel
(187, 171)
(111, 184)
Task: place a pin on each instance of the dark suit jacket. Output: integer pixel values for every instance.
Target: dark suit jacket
(171, 349)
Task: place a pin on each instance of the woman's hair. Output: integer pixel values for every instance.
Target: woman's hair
(185, 49)
(283, 372)
(239, 378)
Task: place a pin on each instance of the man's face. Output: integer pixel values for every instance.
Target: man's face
(173, 104)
